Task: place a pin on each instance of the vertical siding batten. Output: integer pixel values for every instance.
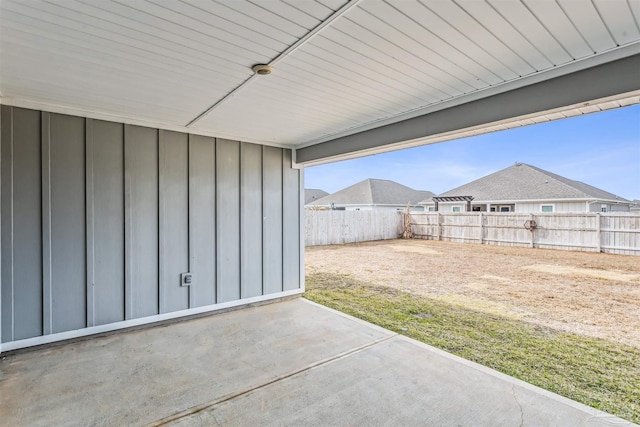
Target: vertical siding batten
(162, 258)
(128, 227)
(90, 235)
(2, 114)
(6, 218)
(46, 225)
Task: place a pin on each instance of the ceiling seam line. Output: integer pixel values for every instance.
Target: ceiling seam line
(316, 30)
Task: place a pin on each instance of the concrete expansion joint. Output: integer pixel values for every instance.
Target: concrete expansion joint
(513, 391)
(209, 405)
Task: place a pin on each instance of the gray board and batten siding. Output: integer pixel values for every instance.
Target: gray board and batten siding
(100, 219)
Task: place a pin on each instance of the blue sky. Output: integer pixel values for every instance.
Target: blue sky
(601, 149)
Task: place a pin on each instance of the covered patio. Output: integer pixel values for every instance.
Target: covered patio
(152, 169)
(290, 362)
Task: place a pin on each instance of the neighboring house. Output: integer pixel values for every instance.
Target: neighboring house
(313, 194)
(370, 194)
(635, 207)
(525, 188)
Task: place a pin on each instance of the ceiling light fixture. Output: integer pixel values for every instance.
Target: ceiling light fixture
(262, 69)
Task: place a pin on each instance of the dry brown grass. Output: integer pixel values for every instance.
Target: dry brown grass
(592, 294)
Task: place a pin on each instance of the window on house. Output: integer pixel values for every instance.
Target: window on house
(455, 209)
(546, 208)
(505, 209)
(431, 209)
(603, 208)
(492, 209)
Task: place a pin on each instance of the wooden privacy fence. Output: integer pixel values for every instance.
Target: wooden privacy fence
(337, 227)
(615, 233)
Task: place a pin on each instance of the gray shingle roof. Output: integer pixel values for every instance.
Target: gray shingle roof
(526, 182)
(375, 192)
(311, 194)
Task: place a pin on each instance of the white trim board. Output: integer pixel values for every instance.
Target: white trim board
(62, 336)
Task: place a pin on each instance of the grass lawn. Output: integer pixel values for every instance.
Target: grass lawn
(598, 373)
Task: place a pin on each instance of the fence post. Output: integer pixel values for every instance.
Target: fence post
(598, 232)
(481, 228)
(533, 232)
(439, 226)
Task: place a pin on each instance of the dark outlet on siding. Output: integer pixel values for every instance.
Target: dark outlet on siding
(186, 279)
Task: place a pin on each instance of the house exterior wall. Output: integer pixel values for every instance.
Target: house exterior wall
(416, 208)
(382, 208)
(448, 206)
(534, 207)
(100, 219)
(610, 207)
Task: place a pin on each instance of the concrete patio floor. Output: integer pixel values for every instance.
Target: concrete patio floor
(287, 363)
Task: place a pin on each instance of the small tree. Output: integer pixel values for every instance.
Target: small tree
(408, 232)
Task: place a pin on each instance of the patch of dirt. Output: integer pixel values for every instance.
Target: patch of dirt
(585, 272)
(414, 250)
(587, 293)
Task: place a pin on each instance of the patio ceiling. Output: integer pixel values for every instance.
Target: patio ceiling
(344, 71)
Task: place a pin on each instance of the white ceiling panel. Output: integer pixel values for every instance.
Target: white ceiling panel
(618, 18)
(502, 29)
(331, 4)
(409, 35)
(342, 80)
(388, 46)
(340, 66)
(466, 32)
(556, 22)
(532, 31)
(634, 5)
(585, 17)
